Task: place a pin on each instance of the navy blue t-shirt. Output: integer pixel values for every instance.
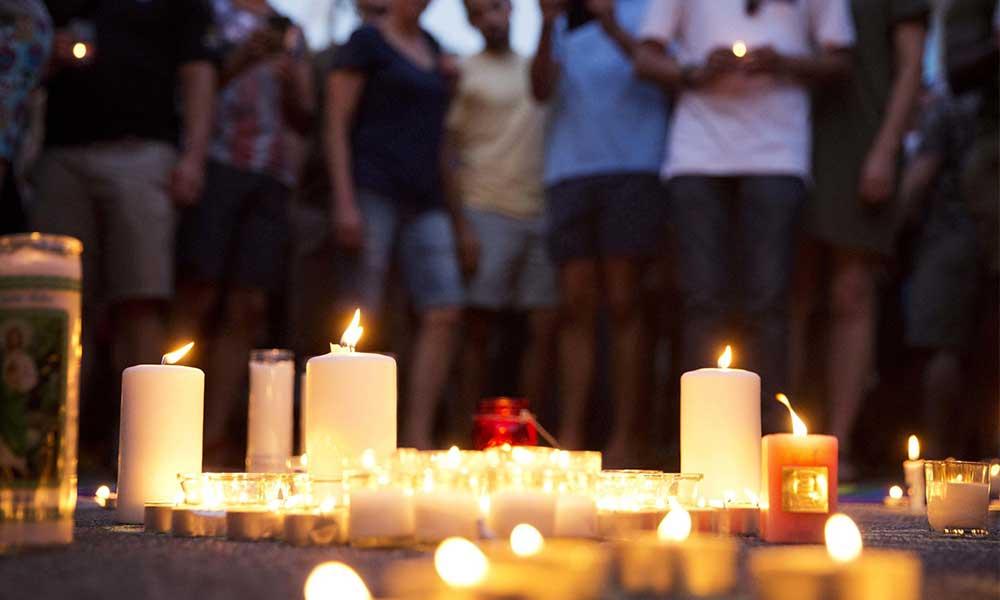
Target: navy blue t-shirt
(399, 122)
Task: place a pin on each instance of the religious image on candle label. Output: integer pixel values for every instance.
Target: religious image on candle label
(805, 489)
(32, 387)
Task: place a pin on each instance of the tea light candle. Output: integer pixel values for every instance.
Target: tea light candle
(720, 427)
(615, 524)
(250, 524)
(895, 499)
(186, 521)
(162, 409)
(799, 490)
(510, 507)
(841, 571)
(576, 516)
(913, 471)
(443, 514)
(705, 519)
(157, 517)
(740, 518)
(351, 404)
(313, 528)
(381, 517)
(269, 416)
(958, 497)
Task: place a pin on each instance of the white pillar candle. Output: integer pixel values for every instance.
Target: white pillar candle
(162, 414)
(271, 410)
(576, 516)
(381, 517)
(511, 507)
(720, 428)
(303, 399)
(913, 471)
(444, 514)
(351, 405)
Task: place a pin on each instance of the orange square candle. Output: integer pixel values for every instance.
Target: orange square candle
(799, 488)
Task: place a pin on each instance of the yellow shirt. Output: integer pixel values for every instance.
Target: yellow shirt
(497, 130)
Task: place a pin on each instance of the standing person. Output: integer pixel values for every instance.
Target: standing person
(118, 158)
(231, 245)
(858, 131)
(605, 139)
(496, 131)
(25, 41)
(389, 94)
(738, 160)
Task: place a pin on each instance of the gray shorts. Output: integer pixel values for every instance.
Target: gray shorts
(514, 267)
(113, 197)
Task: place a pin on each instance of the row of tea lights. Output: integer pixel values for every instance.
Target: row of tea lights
(668, 562)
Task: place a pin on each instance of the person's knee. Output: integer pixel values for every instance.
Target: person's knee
(446, 318)
(852, 293)
(580, 301)
(623, 304)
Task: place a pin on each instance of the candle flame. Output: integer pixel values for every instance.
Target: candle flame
(79, 50)
(171, 358)
(726, 358)
(335, 580)
(675, 527)
(103, 493)
(460, 563)
(798, 427)
(843, 540)
(995, 470)
(739, 48)
(525, 540)
(913, 448)
(895, 492)
(353, 332)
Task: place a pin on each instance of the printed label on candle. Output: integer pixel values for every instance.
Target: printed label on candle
(805, 489)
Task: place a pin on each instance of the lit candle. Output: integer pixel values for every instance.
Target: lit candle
(799, 490)
(740, 518)
(250, 524)
(510, 507)
(381, 517)
(739, 48)
(162, 414)
(335, 580)
(895, 498)
(269, 416)
(576, 516)
(351, 404)
(720, 427)
(841, 571)
(913, 470)
(958, 497)
(441, 514)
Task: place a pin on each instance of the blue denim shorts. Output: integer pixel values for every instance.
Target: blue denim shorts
(424, 244)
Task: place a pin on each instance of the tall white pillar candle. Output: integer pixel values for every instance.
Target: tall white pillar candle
(351, 405)
(303, 399)
(270, 415)
(162, 415)
(720, 428)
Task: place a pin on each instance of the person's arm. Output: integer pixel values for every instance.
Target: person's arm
(916, 182)
(260, 45)
(545, 68)
(343, 95)
(654, 64)
(604, 10)
(878, 175)
(829, 65)
(198, 84)
(466, 240)
(298, 94)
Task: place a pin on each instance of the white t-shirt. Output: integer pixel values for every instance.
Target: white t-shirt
(744, 124)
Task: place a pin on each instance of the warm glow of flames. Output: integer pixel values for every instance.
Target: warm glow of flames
(726, 358)
(460, 563)
(843, 540)
(79, 50)
(103, 492)
(352, 335)
(913, 448)
(484, 505)
(525, 540)
(368, 459)
(675, 527)
(171, 358)
(751, 496)
(995, 470)
(896, 492)
(798, 427)
(739, 48)
(335, 580)
(179, 498)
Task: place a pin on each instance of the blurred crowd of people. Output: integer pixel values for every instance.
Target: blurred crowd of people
(812, 181)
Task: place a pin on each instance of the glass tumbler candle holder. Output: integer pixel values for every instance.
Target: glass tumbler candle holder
(381, 513)
(576, 506)
(524, 484)
(270, 416)
(958, 496)
(446, 501)
(629, 501)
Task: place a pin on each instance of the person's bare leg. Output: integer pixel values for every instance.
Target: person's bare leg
(475, 354)
(803, 304)
(852, 339)
(540, 356)
(580, 293)
(140, 333)
(622, 281)
(432, 355)
(942, 389)
(243, 322)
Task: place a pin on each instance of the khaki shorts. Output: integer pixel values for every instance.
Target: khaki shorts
(114, 197)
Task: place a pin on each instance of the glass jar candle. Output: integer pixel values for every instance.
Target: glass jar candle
(499, 421)
(958, 497)
(40, 283)
(631, 500)
(271, 410)
(380, 513)
(447, 495)
(576, 506)
(524, 486)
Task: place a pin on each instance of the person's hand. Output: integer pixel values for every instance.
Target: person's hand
(764, 61)
(551, 9)
(348, 227)
(878, 177)
(719, 63)
(187, 180)
(603, 11)
(468, 248)
(262, 43)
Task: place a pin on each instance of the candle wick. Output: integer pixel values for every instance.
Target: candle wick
(163, 360)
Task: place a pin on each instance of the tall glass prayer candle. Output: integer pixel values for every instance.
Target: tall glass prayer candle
(799, 490)
(40, 281)
(720, 428)
(270, 425)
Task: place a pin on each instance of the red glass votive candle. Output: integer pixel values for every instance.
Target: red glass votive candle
(499, 421)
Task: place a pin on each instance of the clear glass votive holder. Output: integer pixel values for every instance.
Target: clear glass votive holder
(449, 488)
(380, 499)
(576, 506)
(225, 490)
(958, 497)
(630, 501)
(524, 484)
(270, 415)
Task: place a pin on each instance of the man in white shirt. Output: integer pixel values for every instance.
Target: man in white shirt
(738, 157)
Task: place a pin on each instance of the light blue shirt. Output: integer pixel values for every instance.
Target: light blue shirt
(602, 118)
